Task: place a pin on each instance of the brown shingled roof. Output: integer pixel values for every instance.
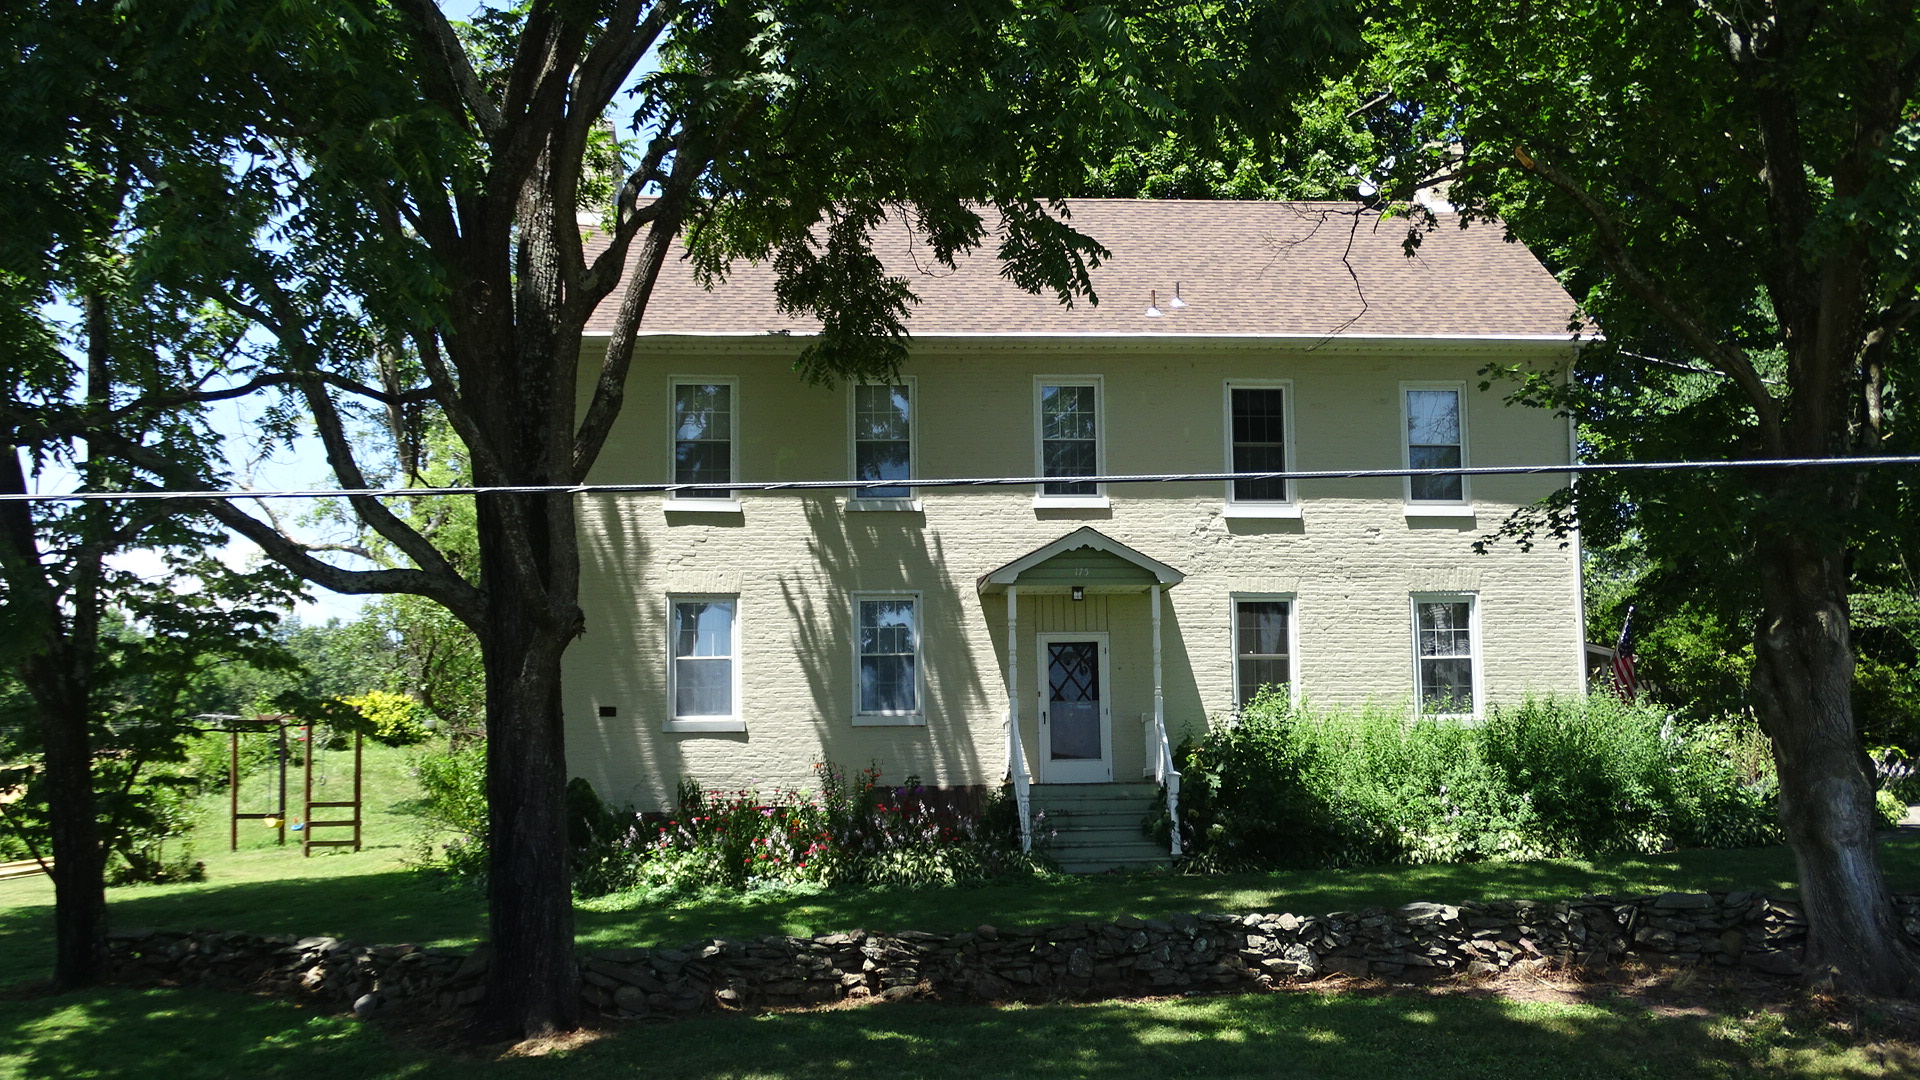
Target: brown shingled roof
(1244, 268)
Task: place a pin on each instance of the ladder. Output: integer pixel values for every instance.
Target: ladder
(352, 806)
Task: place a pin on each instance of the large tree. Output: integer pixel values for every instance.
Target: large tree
(403, 218)
(1733, 189)
(91, 339)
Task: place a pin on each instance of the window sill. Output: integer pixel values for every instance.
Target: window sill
(889, 720)
(1261, 510)
(711, 723)
(1439, 510)
(1071, 502)
(897, 506)
(701, 506)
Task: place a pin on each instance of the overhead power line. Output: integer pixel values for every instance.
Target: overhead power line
(968, 481)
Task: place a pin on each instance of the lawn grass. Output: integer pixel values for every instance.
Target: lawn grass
(371, 896)
(191, 1034)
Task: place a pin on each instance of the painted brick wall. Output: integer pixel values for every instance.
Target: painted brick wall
(1350, 560)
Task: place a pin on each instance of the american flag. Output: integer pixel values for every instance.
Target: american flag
(1623, 679)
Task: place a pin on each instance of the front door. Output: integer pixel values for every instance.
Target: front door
(1076, 720)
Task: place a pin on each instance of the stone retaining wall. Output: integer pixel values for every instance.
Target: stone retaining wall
(1079, 960)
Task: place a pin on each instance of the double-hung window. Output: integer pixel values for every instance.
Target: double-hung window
(1068, 437)
(1436, 438)
(703, 664)
(705, 446)
(887, 667)
(883, 423)
(1446, 654)
(1259, 425)
(1262, 646)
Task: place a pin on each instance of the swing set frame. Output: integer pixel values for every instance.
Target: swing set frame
(277, 725)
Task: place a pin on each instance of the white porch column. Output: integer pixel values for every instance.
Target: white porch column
(1016, 753)
(1159, 699)
(1164, 767)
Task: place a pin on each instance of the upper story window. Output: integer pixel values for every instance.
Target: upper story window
(1436, 438)
(1068, 440)
(703, 673)
(1262, 646)
(887, 659)
(705, 450)
(1259, 439)
(1446, 654)
(883, 423)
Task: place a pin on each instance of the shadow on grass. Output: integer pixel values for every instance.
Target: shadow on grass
(112, 1034)
(1041, 903)
(391, 906)
(404, 906)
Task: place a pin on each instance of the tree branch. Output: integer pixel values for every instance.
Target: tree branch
(1613, 248)
(455, 73)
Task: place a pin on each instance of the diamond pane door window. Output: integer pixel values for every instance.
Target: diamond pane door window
(703, 438)
(882, 439)
(702, 658)
(889, 657)
(1073, 699)
(1069, 438)
(1434, 442)
(1444, 633)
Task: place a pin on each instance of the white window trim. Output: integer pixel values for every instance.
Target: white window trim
(735, 722)
(675, 503)
(854, 503)
(1292, 600)
(1430, 507)
(918, 717)
(1098, 500)
(1259, 508)
(1472, 600)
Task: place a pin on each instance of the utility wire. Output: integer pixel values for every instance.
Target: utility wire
(970, 481)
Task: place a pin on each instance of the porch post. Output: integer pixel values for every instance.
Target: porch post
(1016, 754)
(1164, 766)
(1159, 701)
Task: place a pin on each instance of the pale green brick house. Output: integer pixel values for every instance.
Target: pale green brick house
(740, 638)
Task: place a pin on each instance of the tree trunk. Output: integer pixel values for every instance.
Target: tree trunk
(58, 675)
(532, 986)
(79, 862)
(1803, 695)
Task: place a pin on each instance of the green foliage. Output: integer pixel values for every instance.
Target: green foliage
(397, 719)
(453, 782)
(1306, 788)
(1891, 807)
(856, 832)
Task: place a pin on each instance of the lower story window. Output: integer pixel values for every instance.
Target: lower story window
(888, 643)
(705, 651)
(1262, 647)
(1445, 655)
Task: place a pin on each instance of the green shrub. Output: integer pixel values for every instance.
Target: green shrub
(1281, 787)
(396, 719)
(453, 783)
(1892, 808)
(855, 831)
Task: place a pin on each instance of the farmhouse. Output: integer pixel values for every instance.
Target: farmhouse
(740, 637)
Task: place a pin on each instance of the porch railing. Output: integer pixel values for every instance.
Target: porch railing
(1022, 791)
(1160, 767)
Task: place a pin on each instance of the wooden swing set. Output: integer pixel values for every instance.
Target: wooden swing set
(277, 725)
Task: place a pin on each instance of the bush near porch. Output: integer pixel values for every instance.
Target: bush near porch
(854, 831)
(1283, 787)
